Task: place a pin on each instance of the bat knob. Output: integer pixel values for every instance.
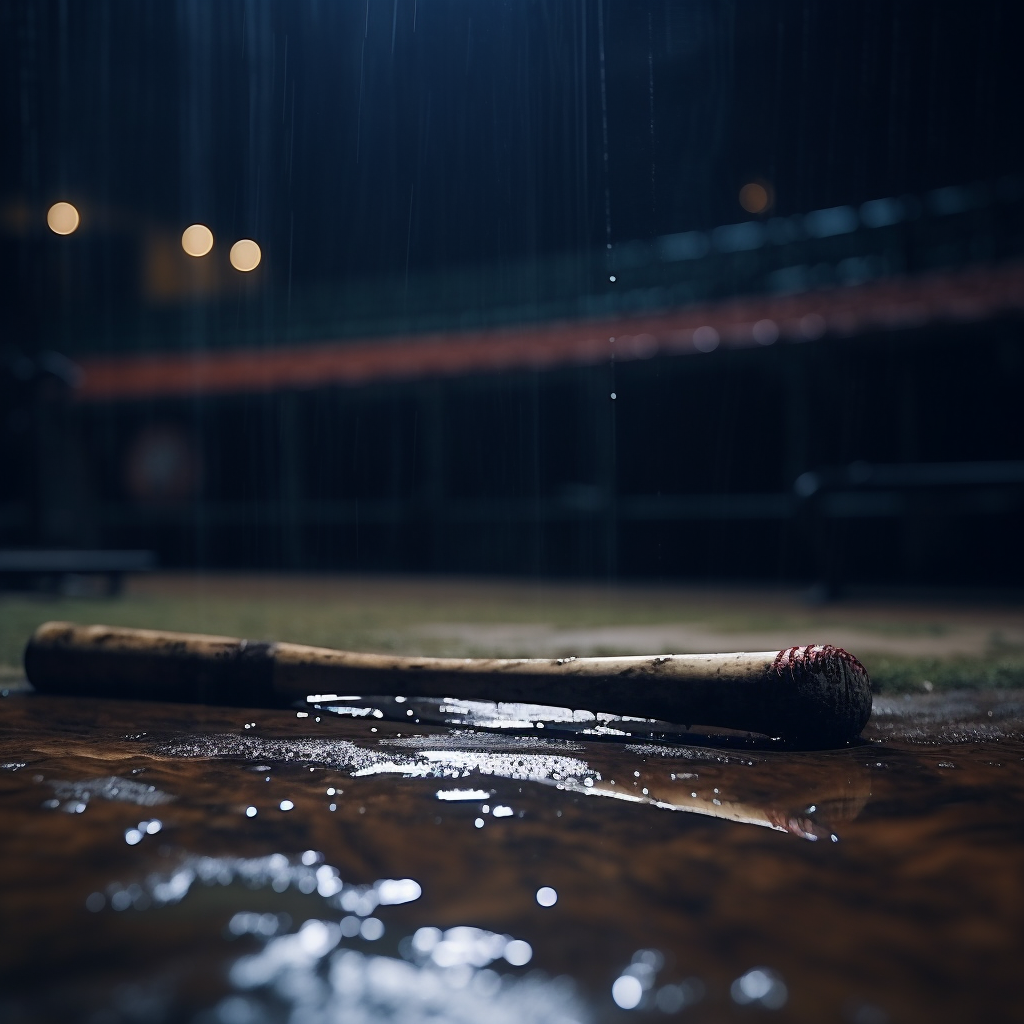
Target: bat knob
(818, 695)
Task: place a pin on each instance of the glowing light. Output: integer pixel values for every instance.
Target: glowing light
(197, 240)
(765, 332)
(705, 339)
(286, 805)
(62, 219)
(812, 326)
(245, 255)
(546, 896)
(120, 900)
(250, 812)
(426, 939)
(627, 992)
(518, 952)
(755, 197)
(672, 998)
(760, 985)
(392, 891)
(327, 881)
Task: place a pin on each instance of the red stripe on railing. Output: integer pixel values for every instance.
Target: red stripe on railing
(964, 296)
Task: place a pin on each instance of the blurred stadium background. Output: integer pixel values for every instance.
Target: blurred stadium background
(646, 291)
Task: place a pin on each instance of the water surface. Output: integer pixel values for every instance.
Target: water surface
(468, 862)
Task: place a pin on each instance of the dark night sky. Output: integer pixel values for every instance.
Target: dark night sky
(356, 139)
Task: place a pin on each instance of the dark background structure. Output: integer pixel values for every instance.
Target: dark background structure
(458, 206)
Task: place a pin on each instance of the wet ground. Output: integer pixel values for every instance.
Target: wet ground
(383, 860)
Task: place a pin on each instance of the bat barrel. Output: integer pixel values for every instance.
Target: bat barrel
(815, 696)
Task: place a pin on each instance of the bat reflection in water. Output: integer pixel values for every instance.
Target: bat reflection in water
(806, 794)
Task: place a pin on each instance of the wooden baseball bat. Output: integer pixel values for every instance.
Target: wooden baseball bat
(816, 696)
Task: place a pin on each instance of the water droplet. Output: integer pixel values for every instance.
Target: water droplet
(760, 985)
(627, 992)
(286, 805)
(518, 952)
(546, 896)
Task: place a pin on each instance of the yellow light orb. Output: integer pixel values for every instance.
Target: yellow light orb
(245, 255)
(197, 240)
(755, 197)
(62, 218)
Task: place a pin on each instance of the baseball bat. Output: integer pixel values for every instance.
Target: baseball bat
(815, 696)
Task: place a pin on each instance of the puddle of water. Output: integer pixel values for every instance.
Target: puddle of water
(247, 866)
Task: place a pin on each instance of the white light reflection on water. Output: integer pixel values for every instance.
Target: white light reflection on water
(494, 715)
(762, 986)
(511, 715)
(74, 797)
(636, 987)
(467, 946)
(318, 981)
(627, 992)
(463, 794)
(276, 872)
(546, 896)
(512, 758)
(248, 923)
(461, 763)
(445, 976)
